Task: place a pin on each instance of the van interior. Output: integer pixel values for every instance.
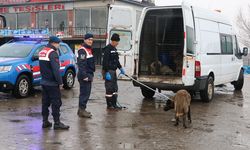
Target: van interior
(162, 43)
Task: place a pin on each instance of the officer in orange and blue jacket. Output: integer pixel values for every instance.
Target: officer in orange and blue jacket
(51, 81)
(86, 66)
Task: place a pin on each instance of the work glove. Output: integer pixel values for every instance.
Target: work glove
(108, 76)
(122, 71)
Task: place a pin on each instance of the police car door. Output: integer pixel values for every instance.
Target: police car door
(34, 65)
(121, 20)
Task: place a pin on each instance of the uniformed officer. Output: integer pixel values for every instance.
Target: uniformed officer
(86, 65)
(110, 64)
(51, 81)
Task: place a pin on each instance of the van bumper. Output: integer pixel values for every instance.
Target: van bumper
(200, 84)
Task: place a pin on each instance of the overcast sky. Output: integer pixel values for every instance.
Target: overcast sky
(229, 8)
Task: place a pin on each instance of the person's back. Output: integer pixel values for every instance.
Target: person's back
(51, 80)
(48, 61)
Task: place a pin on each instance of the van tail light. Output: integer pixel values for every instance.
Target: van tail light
(185, 35)
(197, 68)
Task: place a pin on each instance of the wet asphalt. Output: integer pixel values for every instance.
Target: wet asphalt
(223, 124)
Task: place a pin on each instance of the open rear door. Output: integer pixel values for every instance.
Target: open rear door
(188, 72)
(121, 20)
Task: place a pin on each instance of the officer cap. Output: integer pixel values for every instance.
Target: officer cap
(54, 39)
(88, 36)
(115, 37)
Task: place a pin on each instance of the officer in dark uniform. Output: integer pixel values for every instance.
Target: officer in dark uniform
(51, 81)
(86, 66)
(110, 64)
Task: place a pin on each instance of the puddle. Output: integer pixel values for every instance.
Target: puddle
(34, 114)
(208, 130)
(17, 121)
(54, 142)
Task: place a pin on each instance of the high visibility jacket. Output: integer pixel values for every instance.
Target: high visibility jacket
(50, 66)
(86, 63)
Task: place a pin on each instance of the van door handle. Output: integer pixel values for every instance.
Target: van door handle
(233, 58)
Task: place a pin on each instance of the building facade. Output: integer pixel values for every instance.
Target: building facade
(69, 19)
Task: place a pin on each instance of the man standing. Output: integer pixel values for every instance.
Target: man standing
(110, 64)
(86, 66)
(51, 81)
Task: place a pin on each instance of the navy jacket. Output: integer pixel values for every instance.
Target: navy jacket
(110, 58)
(50, 66)
(86, 63)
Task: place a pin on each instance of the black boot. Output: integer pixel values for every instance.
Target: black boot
(46, 124)
(114, 102)
(60, 126)
(109, 103)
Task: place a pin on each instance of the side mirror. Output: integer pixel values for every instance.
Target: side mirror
(3, 21)
(245, 51)
(34, 58)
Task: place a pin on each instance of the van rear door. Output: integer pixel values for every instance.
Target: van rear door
(121, 20)
(188, 71)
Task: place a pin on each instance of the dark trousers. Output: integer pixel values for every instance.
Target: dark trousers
(111, 86)
(51, 95)
(85, 90)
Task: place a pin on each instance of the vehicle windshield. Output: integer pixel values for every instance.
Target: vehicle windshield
(15, 50)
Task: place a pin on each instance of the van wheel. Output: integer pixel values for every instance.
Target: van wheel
(208, 93)
(147, 93)
(69, 79)
(239, 83)
(22, 87)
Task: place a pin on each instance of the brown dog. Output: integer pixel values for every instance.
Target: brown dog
(182, 101)
(157, 68)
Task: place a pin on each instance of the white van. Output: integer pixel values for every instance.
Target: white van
(184, 47)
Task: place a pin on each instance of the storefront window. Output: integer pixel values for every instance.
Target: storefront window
(82, 18)
(11, 21)
(23, 21)
(60, 20)
(99, 17)
(44, 20)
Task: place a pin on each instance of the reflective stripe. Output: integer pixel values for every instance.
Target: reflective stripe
(109, 95)
(38, 78)
(89, 54)
(44, 54)
(19, 68)
(24, 66)
(36, 73)
(62, 67)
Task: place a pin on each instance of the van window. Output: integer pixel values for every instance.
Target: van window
(236, 48)
(226, 44)
(190, 40)
(125, 39)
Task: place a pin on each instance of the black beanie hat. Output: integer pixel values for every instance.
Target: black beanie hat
(88, 36)
(115, 37)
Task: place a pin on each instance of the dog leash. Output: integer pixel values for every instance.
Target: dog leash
(165, 96)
